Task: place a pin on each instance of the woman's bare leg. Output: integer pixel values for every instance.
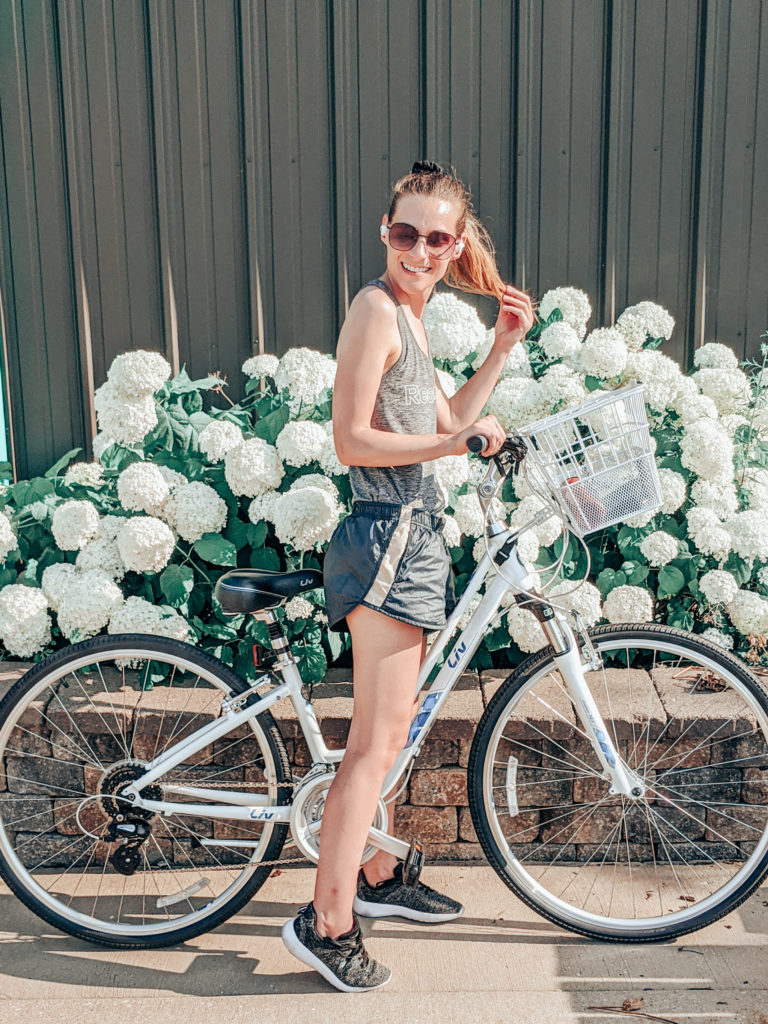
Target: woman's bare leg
(387, 654)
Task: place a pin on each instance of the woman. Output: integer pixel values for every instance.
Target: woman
(387, 569)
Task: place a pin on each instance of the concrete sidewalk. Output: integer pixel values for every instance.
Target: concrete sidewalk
(498, 963)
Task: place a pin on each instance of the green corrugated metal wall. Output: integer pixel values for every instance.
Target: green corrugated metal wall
(195, 175)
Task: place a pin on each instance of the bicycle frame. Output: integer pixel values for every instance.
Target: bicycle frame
(246, 806)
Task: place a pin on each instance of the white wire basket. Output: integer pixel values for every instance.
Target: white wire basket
(596, 461)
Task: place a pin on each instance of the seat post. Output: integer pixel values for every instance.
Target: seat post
(277, 637)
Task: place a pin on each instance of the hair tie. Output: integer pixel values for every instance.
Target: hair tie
(426, 167)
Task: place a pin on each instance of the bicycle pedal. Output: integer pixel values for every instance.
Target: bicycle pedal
(413, 863)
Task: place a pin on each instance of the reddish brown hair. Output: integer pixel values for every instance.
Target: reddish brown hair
(475, 270)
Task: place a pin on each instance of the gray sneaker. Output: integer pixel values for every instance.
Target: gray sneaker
(394, 898)
(342, 961)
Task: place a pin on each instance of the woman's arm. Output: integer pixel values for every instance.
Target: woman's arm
(513, 323)
(369, 344)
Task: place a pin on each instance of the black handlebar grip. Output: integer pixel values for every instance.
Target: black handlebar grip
(477, 443)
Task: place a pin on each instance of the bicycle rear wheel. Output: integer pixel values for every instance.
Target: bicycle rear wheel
(73, 731)
(692, 722)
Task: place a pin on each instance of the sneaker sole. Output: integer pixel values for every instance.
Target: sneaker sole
(300, 951)
(383, 910)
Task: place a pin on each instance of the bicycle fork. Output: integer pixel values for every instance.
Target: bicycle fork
(568, 659)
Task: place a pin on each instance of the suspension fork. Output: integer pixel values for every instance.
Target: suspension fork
(568, 659)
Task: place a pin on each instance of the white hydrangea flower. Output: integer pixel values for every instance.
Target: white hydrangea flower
(469, 515)
(573, 304)
(659, 547)
(451, 533)
(263, 365)
(525, 630)
(755, 482)
(453, 327)
(546, 532)
(101, 553)
(87, 603)
(559, 340)
(718, 494)
(749, 534)
(714, 356)
(110, 526)
(517, 363)
(298, 608)
(604, 353)
(528, 548)
(305, 374)
(696, 407)
(55, 582)
(748, 612)
(218, 438)
(515, 402)
(306, 517)
(253, 467)
(301, 442)
(194, 509)
(136, 615)
(584, 599)
(100, 444)
(645, 320)
(84, 474)
(8, 542)
(559, 388)
(25, 625)
(141, 488)
(316, 480)
(263, 507)
(172, 477)
(628, 604)
(716, 636)
(329, 460)
(732, 421)
(729, 389)
(673, 491)
(708, 533)
(126, 420)
(139, 373)
(660, 375)
(448, 384)
(706, 450)
(641, 519)
(452, 471)
(718, 586)
(74, 523)
(145, 544)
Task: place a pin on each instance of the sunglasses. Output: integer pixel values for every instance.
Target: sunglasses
(402, 236)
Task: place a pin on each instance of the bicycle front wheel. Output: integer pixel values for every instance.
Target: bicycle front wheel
(74, 731)
(692, 722)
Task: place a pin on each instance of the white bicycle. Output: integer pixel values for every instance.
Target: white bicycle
(616, 780)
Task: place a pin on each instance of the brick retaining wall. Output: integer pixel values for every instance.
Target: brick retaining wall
(434, 806)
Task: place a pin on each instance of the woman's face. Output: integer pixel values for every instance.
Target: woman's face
(415, 271)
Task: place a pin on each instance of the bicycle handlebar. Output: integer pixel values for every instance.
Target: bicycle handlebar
(477, 443)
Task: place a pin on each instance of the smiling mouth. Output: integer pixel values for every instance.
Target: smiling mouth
(415, 270)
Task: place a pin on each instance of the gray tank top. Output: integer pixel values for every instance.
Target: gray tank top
(405, 404)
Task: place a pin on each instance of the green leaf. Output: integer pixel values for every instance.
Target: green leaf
(312, 661)
(336, 644)
(257, 533)
(176, 583)
(671, 581)
(26, 492)
(609, 579)
(739, 568)
(61, 463)
(236, 531)
(270, 426)
(592, 383)
(199, 420)
(265, 558)
(216, 549)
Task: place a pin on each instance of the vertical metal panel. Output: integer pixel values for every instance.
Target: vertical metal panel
(37, 285)
(110, 181)
(734, 304)
(377, 72)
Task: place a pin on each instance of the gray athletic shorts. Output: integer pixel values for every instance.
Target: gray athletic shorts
(391, 558)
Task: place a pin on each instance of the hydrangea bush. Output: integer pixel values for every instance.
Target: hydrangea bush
(180, 491)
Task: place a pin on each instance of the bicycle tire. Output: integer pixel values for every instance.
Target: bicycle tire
(705, 738)
(58, 786)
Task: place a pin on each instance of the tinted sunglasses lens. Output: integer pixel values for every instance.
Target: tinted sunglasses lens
(439, 242)
(403, 236)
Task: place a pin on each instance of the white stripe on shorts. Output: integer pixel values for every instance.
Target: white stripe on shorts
(385, 576)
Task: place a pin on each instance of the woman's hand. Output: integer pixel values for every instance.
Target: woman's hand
(489, 427)
(515, 318)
